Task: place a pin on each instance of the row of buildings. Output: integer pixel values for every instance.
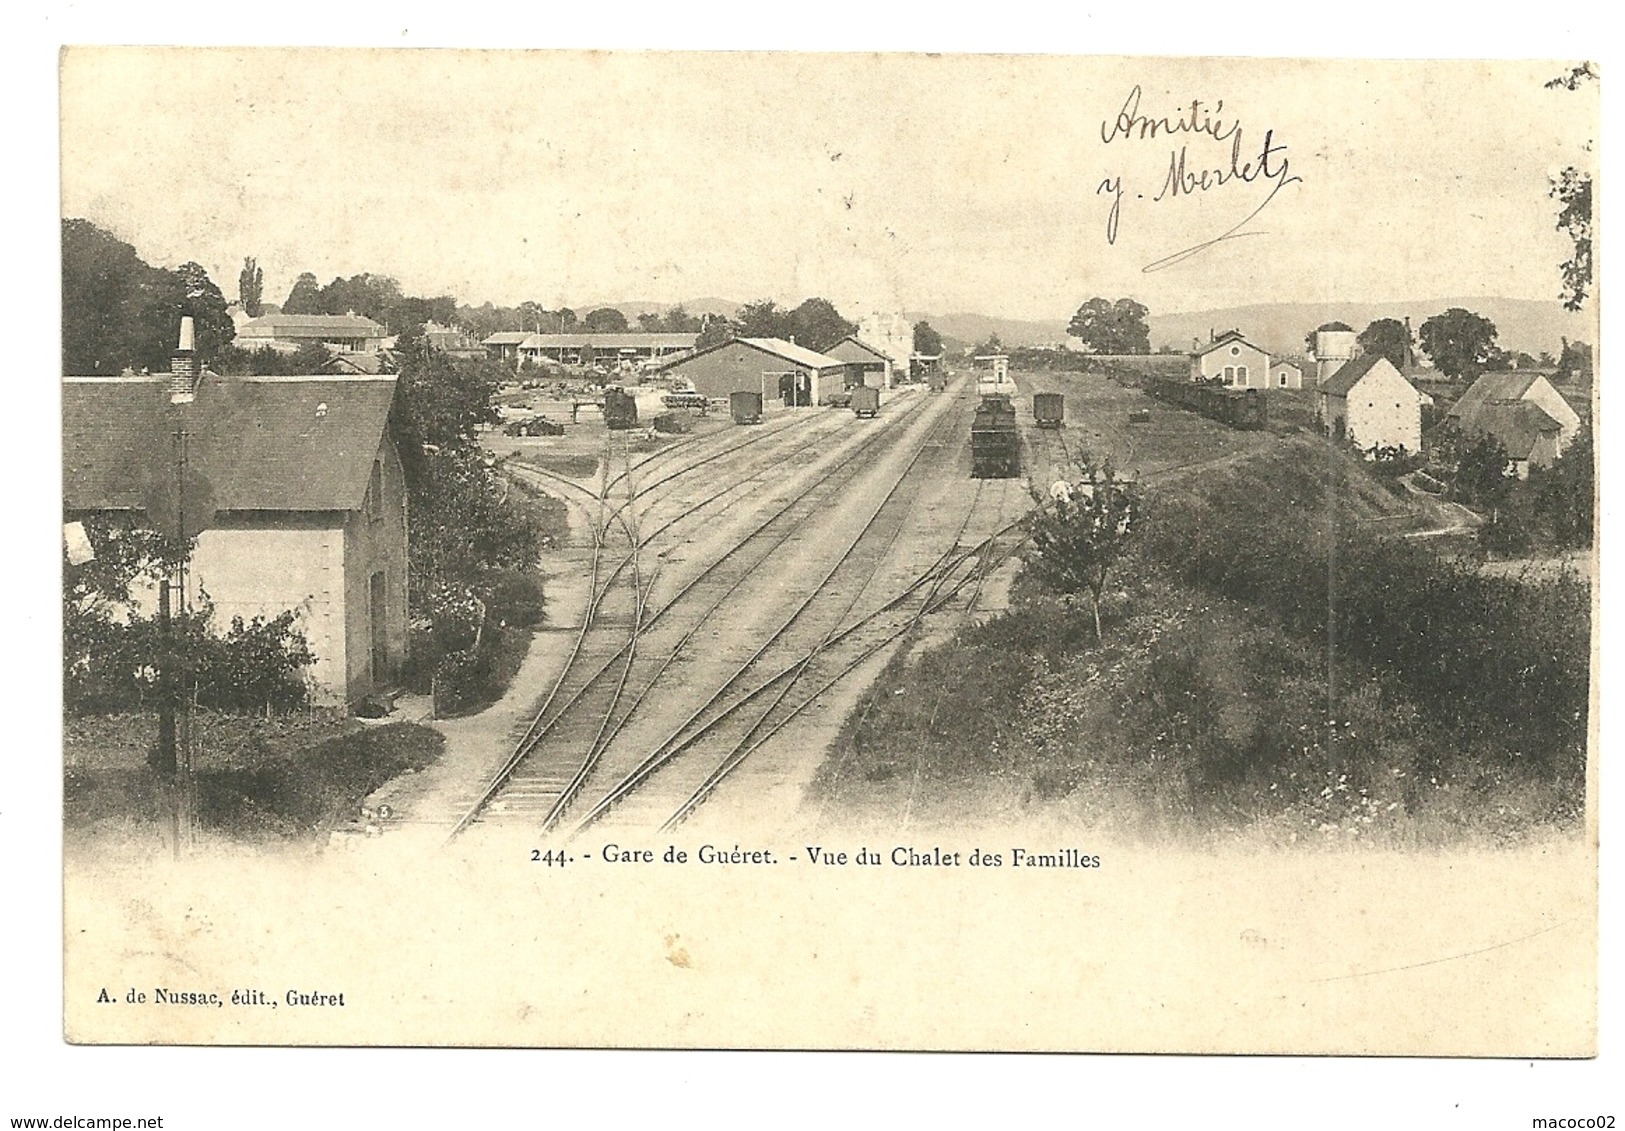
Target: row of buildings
(1367, 400)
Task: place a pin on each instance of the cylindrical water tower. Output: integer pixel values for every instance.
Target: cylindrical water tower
(1332, 349)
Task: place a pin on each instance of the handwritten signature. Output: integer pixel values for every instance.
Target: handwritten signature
(1187, 176)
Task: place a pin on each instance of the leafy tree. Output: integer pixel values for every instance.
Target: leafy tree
(1566, 493)
(251, 287)
(1575, 364)
(991, 346)
(678, 320)
(817, 325)
(1388, 337)
(200, 298)
(120, 312)
(1572, 191)
(649, 322)
(1459, 342)
(1081, 532)
(605, 320)
(714, 329)
(926, 340)
(1112, 327)
(305, 296)
(762, 319)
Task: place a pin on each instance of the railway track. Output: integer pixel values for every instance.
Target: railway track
(679, 774)
(538, 784)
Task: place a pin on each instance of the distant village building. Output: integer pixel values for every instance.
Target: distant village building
(504, 345)
(285, 333)
(1285, 375)
(782, 372)
(601, 349)
(305, 488)
(1524, 412)
(1370, 403)
(450, 340)
(866, 365)
(1232, 359)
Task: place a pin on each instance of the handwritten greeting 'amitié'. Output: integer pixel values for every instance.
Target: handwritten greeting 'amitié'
(1191, 173)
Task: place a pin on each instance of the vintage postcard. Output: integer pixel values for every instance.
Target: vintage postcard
(829, 551)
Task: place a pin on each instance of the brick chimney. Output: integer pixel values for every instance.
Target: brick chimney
(184, 366)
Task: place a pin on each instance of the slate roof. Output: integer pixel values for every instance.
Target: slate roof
(1519, 426)
(851, 344)
(1225, 339)
(1492, 387)
(314, 326)
(1339, 383)
(800, 355)
(261, 443)
(778, 347)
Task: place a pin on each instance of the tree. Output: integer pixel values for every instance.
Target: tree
(1575, 363)
(678, 320)
(714, 330)
(200, 298)
(762, 319)
(104, 292)
(119, 312)
(649, 322)
(1459, 342)
(305, 296)
(605, 320)
(251, 287)
(817, 325)
(1112, 327)
(927, 342)
(1081, 529)
(1572, 190)
(1387, 337)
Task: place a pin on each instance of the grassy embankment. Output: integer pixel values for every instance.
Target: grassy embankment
(1456, 707)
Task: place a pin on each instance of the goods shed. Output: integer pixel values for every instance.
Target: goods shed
(784, 373)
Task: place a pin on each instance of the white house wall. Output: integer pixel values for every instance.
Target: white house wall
(1233, 356)
(280, 563)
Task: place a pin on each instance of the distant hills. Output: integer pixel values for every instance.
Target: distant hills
(1522, 324)
(1530, 325)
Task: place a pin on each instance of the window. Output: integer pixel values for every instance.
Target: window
(1235, 351)
(1283, 378)
(1241, 374)
(375, 492)
(1229, 375)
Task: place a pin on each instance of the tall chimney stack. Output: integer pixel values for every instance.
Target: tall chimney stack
(184, 366)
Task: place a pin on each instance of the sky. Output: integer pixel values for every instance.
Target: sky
(884, 182)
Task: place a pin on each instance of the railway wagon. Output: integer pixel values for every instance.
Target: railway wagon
(1049, 409)
(995, 444)
(620, 409)
(1239, 408)
(745, 407)
(865, 400)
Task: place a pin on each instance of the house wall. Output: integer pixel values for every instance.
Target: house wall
(1383, 410)
(1233, 356)
(1544, 396)
(1293, 375)
(374, 542)
(261, 564)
